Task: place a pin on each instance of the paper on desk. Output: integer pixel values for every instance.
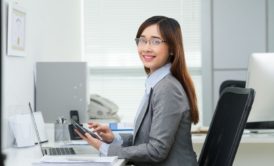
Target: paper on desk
(73, 160)
(76, 142)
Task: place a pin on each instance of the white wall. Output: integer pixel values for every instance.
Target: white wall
(59, 30)
(52, 34)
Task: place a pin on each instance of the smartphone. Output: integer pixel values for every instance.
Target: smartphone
(83, 130)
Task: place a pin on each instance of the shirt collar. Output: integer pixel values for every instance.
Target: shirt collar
(156, 76)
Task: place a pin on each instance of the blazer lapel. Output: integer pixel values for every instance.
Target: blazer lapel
(142, 115)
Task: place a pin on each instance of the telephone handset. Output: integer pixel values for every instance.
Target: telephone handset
(102, 108)
(104, 102)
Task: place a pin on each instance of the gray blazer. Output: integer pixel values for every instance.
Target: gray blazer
(163, 129)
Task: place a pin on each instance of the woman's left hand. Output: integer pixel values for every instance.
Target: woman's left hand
(92, 141)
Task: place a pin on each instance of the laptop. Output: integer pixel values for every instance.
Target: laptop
(59, 150)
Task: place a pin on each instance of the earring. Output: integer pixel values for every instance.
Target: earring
(171, 54)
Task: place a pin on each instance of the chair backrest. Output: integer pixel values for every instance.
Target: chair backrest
(226, 128)
(231, 83)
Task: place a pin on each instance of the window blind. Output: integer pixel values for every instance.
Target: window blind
(110, 28)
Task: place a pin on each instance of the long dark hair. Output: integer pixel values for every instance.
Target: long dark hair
(171, 32)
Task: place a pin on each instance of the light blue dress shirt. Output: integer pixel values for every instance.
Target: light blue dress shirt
(151, 81)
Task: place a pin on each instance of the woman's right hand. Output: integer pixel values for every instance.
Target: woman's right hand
(102, 130)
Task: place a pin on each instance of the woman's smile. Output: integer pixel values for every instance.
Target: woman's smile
(149, 58)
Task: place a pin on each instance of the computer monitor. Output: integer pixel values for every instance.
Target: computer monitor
(260, 77)
(62, 88)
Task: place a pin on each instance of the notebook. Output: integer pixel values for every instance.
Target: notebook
(58, 150)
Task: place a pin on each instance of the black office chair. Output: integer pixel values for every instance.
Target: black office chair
(226, 128)
(231, 83)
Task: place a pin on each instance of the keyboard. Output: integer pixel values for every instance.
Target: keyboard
(60, 151)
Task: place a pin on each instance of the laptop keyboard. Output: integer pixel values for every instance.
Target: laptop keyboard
(61, 151)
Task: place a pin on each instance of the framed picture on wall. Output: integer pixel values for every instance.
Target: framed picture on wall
(16, 31)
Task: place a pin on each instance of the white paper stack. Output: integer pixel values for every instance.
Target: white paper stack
(75, 160)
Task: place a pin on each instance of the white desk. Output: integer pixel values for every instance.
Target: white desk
(25, 156)
(254, 149)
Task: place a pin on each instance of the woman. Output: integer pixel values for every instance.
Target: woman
(162, 133)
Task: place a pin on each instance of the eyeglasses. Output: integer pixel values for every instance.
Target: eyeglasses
(153, 41)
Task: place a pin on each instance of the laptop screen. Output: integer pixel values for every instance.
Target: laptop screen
(35, 128)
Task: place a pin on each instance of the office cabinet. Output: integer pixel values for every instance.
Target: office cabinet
(239, 29)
